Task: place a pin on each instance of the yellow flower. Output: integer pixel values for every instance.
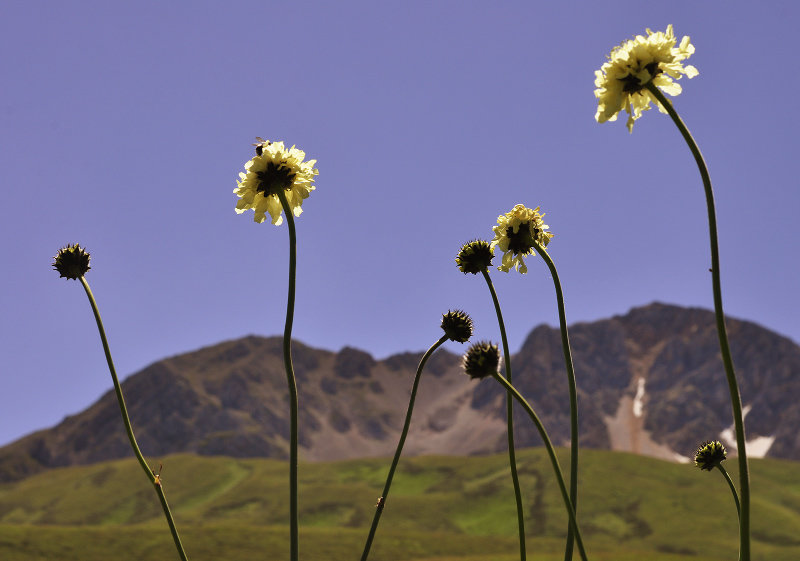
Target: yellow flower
(272, 168)
(631, 66)
(515, 233)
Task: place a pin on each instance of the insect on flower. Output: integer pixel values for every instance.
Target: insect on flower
(259, 144)
(157, 476)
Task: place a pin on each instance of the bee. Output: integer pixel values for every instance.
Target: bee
(259, 144)
(380, 503)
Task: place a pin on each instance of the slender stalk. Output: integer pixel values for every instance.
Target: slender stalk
(290, 379)
(382, 500)
(553, 460)
(165, 507)
(727, 360)
(152, 477)
(512, 456)
(573, 395)
(733, 488)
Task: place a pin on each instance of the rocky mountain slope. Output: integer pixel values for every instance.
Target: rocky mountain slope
(650, 382)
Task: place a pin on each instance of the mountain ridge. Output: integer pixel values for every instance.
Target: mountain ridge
(659, 360)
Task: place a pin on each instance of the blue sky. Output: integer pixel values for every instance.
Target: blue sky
(125, 126)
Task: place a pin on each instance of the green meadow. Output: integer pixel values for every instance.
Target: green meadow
(631, 508)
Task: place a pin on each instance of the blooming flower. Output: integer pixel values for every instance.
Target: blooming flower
(635, 63)
(710, 454)
(457, 325)
(72, 261)
(273, 168)
(481, 360)
(475, 257)
(515, 233)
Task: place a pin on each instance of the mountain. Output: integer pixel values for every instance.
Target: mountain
(650, 381)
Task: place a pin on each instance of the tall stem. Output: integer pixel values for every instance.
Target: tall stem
(573, 395)
(152, 477)
(382, 500)
(294, 523)
(512, 456)
(553, 460)
(733, 488)
(733, 387)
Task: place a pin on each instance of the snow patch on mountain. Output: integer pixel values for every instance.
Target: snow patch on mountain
(626, 428)
(756, 448)
(638, 404)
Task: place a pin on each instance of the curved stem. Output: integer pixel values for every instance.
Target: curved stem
(173, 530)
(553, 460)
(294, 524)
(733, 387)
(733, 489)
(573, 394)
(382, 500)
(512, 456)
(155, 480)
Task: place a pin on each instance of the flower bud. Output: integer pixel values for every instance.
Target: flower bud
(457, 325)
(482, 360)
(72, 261)
(710, 454)
(475, 257)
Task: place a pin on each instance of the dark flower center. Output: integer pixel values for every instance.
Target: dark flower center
(274, 178)
(631, 82)
(521, 242)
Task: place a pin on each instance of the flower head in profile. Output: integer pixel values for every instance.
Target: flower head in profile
(481, 360)
(475, 257)
(710, 454)
(272, 169)
(635, 63)
(457, 325)
(515, 234)
(72, 261)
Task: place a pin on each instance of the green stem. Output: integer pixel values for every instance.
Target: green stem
(512, 457)
(553, 460)
(382, 500)
(573, 395)
(290, 378)
(727, 360)
(173, 530)
(155, 480)
(733, 489)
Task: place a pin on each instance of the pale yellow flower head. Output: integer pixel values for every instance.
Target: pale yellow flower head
(272, 168)
(515, 233)
(631, 66)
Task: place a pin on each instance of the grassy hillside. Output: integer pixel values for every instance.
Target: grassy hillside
(440, 508)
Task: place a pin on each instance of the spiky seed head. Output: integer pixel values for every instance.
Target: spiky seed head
(71, 261)
(481, 360)
(457, 325)
(475, 257)
(710, 454)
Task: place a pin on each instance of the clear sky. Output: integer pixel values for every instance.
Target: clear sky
(125, 124)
